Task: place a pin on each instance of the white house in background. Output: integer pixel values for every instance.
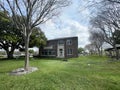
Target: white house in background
(17, 52)
(106, 45)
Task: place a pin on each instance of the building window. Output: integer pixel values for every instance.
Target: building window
(60, 42)
(69, 42)
(49, 52)
(69, 51)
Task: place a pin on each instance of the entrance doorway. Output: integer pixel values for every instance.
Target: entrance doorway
(61, 53)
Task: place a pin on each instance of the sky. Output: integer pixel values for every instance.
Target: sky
(72, 21)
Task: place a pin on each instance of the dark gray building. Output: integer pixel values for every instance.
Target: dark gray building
(61, 48)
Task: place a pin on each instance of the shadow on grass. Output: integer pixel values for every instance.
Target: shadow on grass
(12, 59)
(5, 59)
(4, 72)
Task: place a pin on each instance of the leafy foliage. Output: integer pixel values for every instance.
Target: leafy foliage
(80, 50)
(12, 38)
(37, 38)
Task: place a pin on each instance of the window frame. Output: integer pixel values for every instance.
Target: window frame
(69, 51)
(69, 42)
(60, 42)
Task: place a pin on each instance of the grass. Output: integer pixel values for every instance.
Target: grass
(83, 73)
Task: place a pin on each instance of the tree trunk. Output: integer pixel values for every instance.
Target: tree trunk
(101, 51)
(110, 53)
(116, 52)
(10, 54)
(26, 67)
(40, 50)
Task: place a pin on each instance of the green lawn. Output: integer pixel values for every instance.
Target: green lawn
(83, 73)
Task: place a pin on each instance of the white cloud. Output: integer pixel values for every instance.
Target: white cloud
(70, 23)
(71, 28)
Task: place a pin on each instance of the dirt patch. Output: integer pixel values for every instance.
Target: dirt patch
(22, 71)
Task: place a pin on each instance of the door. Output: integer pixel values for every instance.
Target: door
(61, 53)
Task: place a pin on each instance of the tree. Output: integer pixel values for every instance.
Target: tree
(117, 36)
(91, 48)
(38, 39)
(96, 5)
(80, 50)
(108, 21)
(114, 1)
(36, 12)
(31, 52)
(10, 36)
(97, 38)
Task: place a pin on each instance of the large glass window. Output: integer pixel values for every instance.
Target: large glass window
(48, 52)
(69, 51)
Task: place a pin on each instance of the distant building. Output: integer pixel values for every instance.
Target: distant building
(110, 51)
(61, 48)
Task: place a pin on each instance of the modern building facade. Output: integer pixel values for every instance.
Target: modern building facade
(61, 48)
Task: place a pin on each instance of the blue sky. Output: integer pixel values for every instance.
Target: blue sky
(73, 21)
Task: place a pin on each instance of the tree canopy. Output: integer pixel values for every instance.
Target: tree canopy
(37, 38)
(11, 38)
(80, 50)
